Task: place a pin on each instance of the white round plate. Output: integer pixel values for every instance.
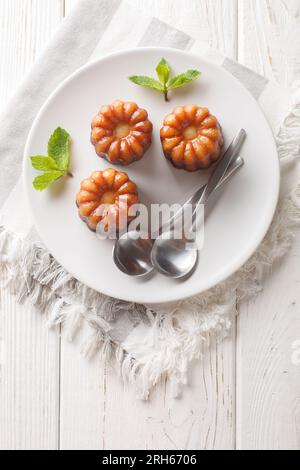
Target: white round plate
(240, 216)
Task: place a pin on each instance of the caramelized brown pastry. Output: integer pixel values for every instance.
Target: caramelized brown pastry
(191, 138)
(121, 132)
(106, 197)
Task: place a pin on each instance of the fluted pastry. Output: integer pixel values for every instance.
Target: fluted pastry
(191, 138)
(121, 132)
(106, 197)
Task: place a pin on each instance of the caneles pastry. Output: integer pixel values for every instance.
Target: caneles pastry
(191, 138)
(106, 197)
(121, 132)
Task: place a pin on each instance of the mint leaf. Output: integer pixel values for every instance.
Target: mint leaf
(42, 182)
(163, 71)
(183, 79)
(56, 163)
(165, 83)
(58, 148)
(43, 163)
(147, 82)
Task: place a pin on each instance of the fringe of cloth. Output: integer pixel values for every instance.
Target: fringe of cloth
(164, 341)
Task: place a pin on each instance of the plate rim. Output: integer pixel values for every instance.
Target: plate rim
(225, 273)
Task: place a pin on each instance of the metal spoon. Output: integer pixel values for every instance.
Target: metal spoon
(174, 257)
(132, 251)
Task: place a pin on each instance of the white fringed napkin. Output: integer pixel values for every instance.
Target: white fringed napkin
(146, 343)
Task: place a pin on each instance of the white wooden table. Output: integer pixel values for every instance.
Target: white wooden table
(246, 394)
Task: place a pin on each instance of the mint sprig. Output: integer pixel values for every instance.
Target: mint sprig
(56, 163)
(165, 82)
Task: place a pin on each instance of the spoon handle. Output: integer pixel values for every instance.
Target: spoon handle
(222, 166)
(226, 167)
(232, 169)
(219, 172)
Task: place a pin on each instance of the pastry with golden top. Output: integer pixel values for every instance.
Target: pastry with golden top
(105, 197)
(121, 132)
(191, 138)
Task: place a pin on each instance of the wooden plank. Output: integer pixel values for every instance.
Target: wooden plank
(213, 23)
(269, 38)
(29, 374)
(268, 382)
(25, 28)
(97, 410)
(82, 398)
(110, 416)
(29, 378)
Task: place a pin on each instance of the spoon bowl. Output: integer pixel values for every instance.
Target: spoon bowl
(132, 253)
(175, 256)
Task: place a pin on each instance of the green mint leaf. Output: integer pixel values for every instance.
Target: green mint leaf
(43, 163)
(163, 71)
(165, 83)
(147, 82)
(183, 79)
(42, 182)
(58, 148)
